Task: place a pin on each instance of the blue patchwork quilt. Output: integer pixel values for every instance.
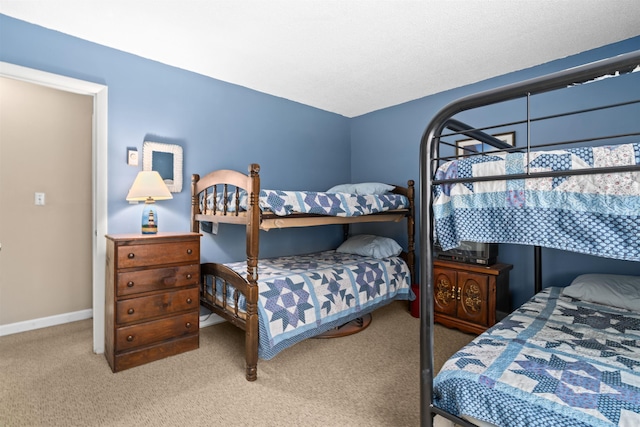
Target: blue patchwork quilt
(284, 203)
(304, 295)
(592, 214)
(556, 361)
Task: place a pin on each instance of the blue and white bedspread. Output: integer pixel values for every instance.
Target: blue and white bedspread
(592, 214)
(304, 295)
(556, 361)
(284, 203)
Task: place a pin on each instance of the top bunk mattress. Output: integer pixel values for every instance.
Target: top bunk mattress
(284, 203)
(595, 214)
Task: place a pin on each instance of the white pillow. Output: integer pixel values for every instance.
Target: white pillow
(362, 188)
(342, 188)
(371, 246)
(613, 290)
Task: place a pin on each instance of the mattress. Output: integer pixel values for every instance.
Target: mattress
(556, 361)
(593, 214)
(304, 295)
(285, 203)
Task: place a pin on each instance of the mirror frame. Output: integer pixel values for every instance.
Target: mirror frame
(147, 161)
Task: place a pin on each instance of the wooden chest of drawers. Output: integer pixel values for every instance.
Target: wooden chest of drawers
(470, 297)
(152, 304)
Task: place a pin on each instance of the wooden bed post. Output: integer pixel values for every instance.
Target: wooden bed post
(195, 225)
(253, 245)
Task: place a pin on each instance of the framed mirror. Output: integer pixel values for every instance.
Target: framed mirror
(166, 159)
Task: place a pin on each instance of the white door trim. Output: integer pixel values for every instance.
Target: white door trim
(99, 174)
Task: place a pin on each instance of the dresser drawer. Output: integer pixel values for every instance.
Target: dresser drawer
(133, 282)
(139, 356)
(129, 337)
(132, 256)
(152, 302)
(136, 309)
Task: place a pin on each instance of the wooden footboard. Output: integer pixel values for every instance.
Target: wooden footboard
(220, 292)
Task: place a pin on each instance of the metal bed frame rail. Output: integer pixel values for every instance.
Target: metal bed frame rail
(429, 160)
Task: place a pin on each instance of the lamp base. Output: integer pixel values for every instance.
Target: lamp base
(149, 219)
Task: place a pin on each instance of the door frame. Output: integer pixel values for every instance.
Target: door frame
(99, 174)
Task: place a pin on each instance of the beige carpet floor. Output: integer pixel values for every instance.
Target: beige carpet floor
(51, 377)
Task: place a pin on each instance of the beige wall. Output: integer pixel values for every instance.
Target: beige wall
(45, 146)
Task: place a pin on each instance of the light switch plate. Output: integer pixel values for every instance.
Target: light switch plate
(132, 157)
(39, 199)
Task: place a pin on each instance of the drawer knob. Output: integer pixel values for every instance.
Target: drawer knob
(131, 311)
(188, 300)
(188, 325)
(189, 251)
(130, 338)
(188, 276)
(129, 284)
(131, 256)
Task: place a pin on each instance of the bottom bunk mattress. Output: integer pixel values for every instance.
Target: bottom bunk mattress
(304, 295)
(556, 361)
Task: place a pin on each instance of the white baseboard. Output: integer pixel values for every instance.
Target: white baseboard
(44, 322)
(59, 319)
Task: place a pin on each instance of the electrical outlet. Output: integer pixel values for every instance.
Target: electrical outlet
(132, 157)
(39, 199)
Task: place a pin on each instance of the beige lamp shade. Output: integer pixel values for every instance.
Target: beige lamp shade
(148, 185)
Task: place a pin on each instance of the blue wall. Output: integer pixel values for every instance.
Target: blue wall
(395, 133)
(218, 124)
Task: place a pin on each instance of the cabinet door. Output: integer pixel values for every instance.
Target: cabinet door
(472, 297)
(444, 291)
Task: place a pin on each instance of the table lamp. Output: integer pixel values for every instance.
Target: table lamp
(149, 187)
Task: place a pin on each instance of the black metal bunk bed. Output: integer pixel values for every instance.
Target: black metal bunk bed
(444, 125)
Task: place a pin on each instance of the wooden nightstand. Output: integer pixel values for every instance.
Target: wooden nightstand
(152, 307)
(470, 297)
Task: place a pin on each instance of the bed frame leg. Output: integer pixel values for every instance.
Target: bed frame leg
(252, 373)
(251, 336)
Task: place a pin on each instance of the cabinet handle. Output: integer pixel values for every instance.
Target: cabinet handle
(188, 276)
(131, 311)
(189, 251)
(188, 325)
(130, 338)
(129, 284)
(131, 256)
(188, 300)
(459, 291)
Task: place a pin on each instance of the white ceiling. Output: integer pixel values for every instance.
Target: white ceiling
(350, 57)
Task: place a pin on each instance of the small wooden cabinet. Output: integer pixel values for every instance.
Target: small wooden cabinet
(470, 297)
(152, 307)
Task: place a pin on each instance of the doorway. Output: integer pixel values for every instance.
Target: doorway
(98, 228)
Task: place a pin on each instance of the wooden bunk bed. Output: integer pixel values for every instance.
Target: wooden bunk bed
(235, 291)
(563, 358)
